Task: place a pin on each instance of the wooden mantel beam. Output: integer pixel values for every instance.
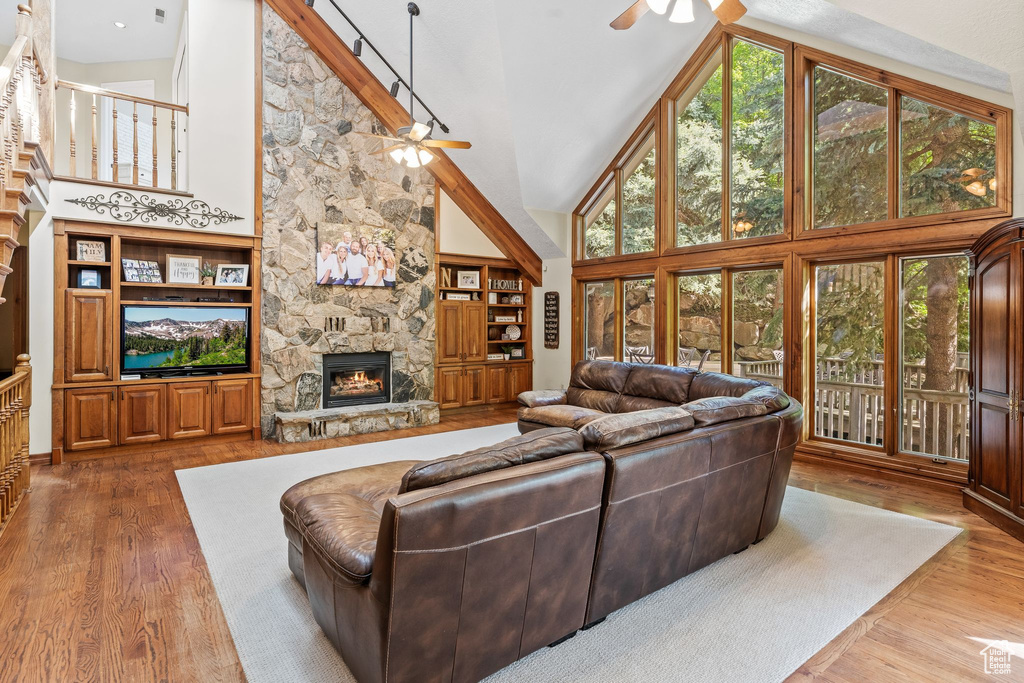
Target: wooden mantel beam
(361, 81)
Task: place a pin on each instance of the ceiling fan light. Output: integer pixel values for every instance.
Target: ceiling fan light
(425, 157)
(682, 13)
(714, 4)
(659, 6)
(409, 157)
(397, 155)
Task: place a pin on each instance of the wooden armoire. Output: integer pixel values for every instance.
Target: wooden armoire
(996, 476)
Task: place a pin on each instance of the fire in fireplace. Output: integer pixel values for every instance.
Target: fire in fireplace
(355, 378)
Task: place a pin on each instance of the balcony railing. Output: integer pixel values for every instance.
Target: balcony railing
(125, 135)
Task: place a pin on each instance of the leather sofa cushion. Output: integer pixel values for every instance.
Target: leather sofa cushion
(661, 382)
(622, 429)
(342, 529)
(709, 411)
(571, 416)
(539, 444)
(709, 384)
(601, 375)
(374, 484)
(629, 404)
(771, 396)
(592, 399)
(532, 399)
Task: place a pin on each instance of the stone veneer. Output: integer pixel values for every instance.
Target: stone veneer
(316, 170)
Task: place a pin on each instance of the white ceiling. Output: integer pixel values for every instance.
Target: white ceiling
(547, 92)
(86, 32)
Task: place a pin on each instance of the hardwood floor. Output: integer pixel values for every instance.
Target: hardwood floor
(101, 577)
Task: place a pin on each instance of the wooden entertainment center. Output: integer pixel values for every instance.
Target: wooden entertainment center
(95, 411)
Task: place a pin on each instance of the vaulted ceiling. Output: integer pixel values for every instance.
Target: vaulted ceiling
(547, 92)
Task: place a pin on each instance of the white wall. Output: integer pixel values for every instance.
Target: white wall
(458, 234)
(221, 169)
(551, 366)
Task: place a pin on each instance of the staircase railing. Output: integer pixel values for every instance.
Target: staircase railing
(15, 400)
(158, 123)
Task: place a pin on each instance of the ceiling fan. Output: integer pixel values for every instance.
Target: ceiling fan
(412, 143)
(727, 11)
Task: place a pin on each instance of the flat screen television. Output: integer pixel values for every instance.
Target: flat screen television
(167, 340)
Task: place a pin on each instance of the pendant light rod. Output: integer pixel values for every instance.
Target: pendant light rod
(414, 11)
(398, 77)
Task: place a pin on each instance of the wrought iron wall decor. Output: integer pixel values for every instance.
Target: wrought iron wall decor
(124, 206)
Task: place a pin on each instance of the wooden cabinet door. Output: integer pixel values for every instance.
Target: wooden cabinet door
(497, 383)
(474, 331)
(87, 329)
(449, 331)
(473, 385)
(994, 442)
(519, 380)
(90, 418)
(232, 406)
(188, 410)
(449, 387)
(142, 409)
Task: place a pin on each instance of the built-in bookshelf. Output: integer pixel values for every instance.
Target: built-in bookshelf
(484, 348)
(100, 268)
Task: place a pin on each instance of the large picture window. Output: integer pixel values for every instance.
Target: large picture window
(700, 321)
(599, 226)
(699, 158)
(638, 320)
(599, 320)
(757, 324)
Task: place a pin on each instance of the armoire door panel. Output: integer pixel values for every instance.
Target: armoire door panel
(497, 383)
(87, 345)
(142, 410)
(91, 418)
(994, 311)
(449, 387)
(232, 406)
(474, 331)
(473, 385)
(188, 410)
(519, 380)
(991, 456)
(449, 332)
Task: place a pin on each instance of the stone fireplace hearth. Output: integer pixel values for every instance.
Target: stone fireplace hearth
(356, 378)
(320, 178)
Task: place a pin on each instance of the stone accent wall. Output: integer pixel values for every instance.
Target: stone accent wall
(317, 170)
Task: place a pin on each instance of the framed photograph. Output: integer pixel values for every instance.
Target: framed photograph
(516, 299)
(131, 270)
(468, 279)
(183, 270)
(89, 279)
(152, 271)
(518, 352)
(91, 250)
(362, 256)
(232, 275)
(492, 297)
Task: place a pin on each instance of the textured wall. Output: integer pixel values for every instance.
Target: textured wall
(317, 170)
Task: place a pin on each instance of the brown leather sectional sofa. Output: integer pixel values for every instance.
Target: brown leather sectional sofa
(454, 568)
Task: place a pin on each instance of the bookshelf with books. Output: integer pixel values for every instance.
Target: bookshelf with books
(484, 349)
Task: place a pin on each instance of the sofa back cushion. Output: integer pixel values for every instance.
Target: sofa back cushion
(622, 429)
(654, 386)
(715, 409)
(711, 384)
(596, 384)
(540, 444)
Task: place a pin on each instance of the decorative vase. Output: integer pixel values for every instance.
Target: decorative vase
(507, 356)
(207, 281)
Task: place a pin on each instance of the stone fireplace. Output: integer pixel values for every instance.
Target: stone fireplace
(320, 178)
(356, 378)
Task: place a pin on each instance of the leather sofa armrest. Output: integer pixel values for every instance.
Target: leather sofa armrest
(343, 529)
(534, 399)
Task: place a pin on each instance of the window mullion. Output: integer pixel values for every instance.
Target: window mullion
(893, 151)
(726, 136)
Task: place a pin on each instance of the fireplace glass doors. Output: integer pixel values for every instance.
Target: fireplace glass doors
(355, 378)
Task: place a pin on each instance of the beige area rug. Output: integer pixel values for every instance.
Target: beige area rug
(756, 616)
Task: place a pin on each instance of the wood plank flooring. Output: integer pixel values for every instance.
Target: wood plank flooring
(101, 577)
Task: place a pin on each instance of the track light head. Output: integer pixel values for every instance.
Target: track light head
(394, 89)
(309, 3)
(357, 47)
(443, 127)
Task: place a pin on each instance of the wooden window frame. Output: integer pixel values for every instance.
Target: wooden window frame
(896, 86)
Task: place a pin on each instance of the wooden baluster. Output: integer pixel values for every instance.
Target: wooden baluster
(95, 153)
(135, 143)
(114, 175)
(154, 146)
(174, 151)
(73, 164)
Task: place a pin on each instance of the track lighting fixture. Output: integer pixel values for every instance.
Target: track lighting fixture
(309, 3)
(357, 47)
(394, 89)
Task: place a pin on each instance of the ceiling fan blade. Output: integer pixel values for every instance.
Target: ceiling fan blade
(729, 11)
(385, 150)
(629, 17)
(374, 135)
(453, 144)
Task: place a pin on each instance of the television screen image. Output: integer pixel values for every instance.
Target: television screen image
(356, 256)
(161, 338)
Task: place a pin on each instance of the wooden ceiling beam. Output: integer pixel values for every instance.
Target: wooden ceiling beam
(372, 93)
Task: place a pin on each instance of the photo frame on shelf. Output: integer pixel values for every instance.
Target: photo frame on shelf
(91, 250)
(516, 299)
(89, 279)
(183, 269)
(232, 275)
(468, 279)
(518, 352)
(136, 270)
(492, 297)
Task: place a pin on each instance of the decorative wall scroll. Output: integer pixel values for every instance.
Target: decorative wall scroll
(124, 206)
(550, 320)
